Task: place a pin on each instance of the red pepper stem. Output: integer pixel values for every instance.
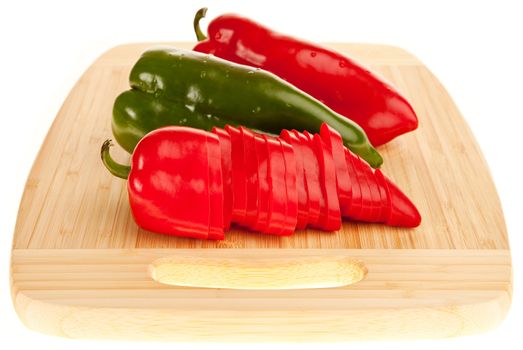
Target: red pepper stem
(199, 15)
(114, 168)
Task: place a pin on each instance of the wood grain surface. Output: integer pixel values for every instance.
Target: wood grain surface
(82, 268)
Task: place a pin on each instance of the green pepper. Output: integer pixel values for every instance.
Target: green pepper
(179, 87)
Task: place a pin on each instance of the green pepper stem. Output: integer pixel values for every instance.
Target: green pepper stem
(199, 15)
(114, 168)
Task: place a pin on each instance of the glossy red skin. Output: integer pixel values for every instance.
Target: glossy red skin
(278, 193)
(262, 158)
(225, 147)
(251, 171)
(216, 209)
(334, 142)
(239, 187)
(330, 219)
(164, 190)
(311, 171)
(338, 81)
(290, 182)
(303, 201)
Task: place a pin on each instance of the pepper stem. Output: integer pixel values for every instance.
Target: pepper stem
(114, 168)
(199, 15)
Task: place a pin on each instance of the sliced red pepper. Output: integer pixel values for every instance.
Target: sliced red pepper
(239, 187)
(251, 170)
(330, 218)
(303, 201)
(262, 157)
(311, 168)
(278, 195)
(334, 143)
(164, 189)
(290, 182)
(225, 146)
(215, 188)
(176, 183)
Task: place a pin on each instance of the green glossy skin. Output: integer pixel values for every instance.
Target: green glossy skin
(179, 87)
(135, 113)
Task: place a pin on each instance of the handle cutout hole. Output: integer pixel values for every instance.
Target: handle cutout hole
(258, 273)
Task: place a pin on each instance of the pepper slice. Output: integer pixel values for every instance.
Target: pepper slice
(353, 207)
(333, 141)
(278, 194)
(359, 203)
(402, 211)
(262, 158)
(380, 208)
(330, 218)
(290, 181)
(385, 197)
(317, 178)
(311, 171)
(239, 187)
(225, 148)
(303, 201)
(215, 188)
(366, 196)
(375, 205)
(251, 171)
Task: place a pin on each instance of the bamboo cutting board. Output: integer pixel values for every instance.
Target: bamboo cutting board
(82, 268)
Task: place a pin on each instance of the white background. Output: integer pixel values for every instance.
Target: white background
(475, 48)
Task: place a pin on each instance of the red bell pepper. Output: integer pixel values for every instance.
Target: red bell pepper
(193, 183)
(338, 81)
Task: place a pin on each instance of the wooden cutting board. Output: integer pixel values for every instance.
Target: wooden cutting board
(82, 268)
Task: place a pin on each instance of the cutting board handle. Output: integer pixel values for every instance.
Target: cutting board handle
(258, 272)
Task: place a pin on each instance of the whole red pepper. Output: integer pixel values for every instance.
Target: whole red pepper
(336, 80)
